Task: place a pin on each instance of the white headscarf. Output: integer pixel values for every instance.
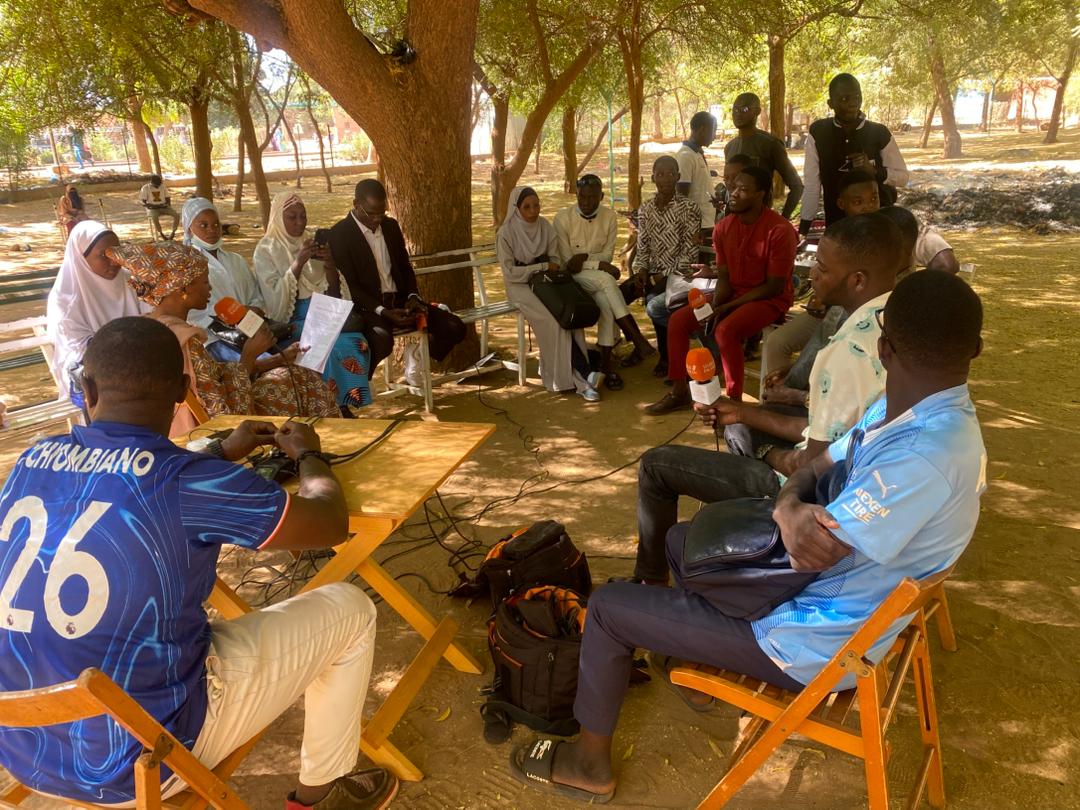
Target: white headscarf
(276, 230)
(192, 208)
(82, 302)
(527, 240)
(273, 259)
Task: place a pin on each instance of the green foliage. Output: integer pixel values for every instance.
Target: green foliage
(103, 147)
(175, 155)
(355, 148)
(224, 142)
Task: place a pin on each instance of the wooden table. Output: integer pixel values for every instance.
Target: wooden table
(383, 488)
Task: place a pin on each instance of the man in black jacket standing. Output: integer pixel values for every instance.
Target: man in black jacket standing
(843, 143)
(371, 256)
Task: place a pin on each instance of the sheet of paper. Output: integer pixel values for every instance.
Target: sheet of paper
(325, 318)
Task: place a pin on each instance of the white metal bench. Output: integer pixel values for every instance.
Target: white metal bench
(23, 422)
(480, 256)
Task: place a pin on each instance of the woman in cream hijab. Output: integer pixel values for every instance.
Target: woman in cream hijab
(289, 269)
(90, 290)
(525, 245)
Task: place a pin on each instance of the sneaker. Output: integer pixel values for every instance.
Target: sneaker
(666, 404)
(595, 379)
(370, 789)
(590, 394)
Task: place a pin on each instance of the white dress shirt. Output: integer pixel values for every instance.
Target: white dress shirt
(377, 242)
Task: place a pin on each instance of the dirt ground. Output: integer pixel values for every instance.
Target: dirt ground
(1006, 699)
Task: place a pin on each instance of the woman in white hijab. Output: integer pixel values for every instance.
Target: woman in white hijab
(289, 270)
(230, 276)
(527, 244)
(90, 290)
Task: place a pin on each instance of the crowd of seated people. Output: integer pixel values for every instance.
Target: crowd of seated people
(863, 392)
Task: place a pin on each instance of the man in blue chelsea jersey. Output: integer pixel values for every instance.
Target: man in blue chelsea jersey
(109, 539)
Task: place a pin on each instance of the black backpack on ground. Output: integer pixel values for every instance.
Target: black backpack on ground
(542, 554)
(535, 639)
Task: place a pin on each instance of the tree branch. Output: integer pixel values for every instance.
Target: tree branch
(541, 41)
(263, 20)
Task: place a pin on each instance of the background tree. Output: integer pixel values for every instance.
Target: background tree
(412, 99)
(532, 54)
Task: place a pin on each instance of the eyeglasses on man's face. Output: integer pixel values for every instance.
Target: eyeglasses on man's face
(879, 316)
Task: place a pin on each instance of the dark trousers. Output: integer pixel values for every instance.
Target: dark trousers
(657, 289)
(445, 331)
(666, 621)
(665, 473)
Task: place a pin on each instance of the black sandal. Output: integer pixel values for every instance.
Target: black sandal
(531, 764)
(613, 382)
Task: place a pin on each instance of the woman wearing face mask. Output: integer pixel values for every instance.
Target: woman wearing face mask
(525, 245)
(90, 290)
(230, 276)
(289, 270)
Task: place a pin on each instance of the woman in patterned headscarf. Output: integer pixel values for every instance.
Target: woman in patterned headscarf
(289, 270)
(173, 279)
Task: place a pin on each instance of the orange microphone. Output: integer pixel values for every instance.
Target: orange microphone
(705, 386)
(702, 308)
(232, 313)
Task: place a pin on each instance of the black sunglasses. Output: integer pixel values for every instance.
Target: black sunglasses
(877, 317)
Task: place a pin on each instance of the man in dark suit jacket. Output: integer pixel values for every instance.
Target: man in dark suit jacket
(369, 251)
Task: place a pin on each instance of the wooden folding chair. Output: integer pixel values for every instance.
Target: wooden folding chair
(93, 694)
(194, 404)
(819, 711)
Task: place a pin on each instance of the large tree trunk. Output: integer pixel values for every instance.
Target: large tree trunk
(569, 148)
(135, 105)
(928, 124)
(1059, 97)
(777, 85)
(953, 146)
(199, 110)
(630, 45)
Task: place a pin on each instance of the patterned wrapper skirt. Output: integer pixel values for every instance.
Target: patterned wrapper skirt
(347, 367)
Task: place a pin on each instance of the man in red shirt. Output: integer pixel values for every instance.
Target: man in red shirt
(755, 256)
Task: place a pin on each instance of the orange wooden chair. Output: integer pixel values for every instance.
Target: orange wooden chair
(93, 694)
(194, 404)
(819, 711)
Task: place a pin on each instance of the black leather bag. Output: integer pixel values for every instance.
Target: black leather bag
(235, 339)
(733, 556)
(572, 307)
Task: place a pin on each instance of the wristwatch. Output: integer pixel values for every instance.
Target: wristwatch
(214, 448)
(325, 459)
